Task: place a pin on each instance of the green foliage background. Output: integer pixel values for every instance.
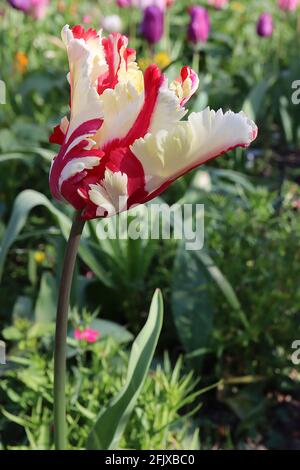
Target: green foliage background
(232, 309)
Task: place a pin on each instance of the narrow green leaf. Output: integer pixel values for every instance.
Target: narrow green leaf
(8, 157)
(191, 301)
(45, 308)
(223, 284)
(219, 279)
(111, 422)
(24, 203)
(253, 104)
(286, 119)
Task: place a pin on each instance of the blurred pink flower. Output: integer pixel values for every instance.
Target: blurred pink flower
(218, 4)
(296, 204)
(89, 274)
(88, 334)
(143, 4)
(111, 23)
(87, 19)
(39, 8)
(124, 3)
(288, 5)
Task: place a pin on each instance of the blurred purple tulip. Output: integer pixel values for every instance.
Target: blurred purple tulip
(35, 8)
(152, 26)
(22, 5)
(264, 25)
(199, 27)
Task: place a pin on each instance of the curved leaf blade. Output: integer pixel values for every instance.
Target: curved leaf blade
(24, 203)
(223, 284)
(111, 422)
(192, 306)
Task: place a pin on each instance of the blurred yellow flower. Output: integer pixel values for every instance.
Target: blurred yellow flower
(21, 62)
(39, 257)
(144, 63)
(237, 6)
(162, 59)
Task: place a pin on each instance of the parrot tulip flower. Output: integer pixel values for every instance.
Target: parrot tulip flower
(125, 141)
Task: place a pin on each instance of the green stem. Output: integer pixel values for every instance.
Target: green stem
(60, 428)
(132, 26)
(196, 61)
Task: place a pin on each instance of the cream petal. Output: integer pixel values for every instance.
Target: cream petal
(167, 155)
(167, 111)
(111, 194)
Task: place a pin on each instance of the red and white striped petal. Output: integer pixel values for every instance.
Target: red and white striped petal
(120, 60)
(59, 133)
(96, 64)
(167, 111)
(130, 112)
(77, 145)
(121, 107)
(167, 155)
(186, 85)
(87, 62)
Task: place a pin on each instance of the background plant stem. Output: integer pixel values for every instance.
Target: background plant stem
(60, 427)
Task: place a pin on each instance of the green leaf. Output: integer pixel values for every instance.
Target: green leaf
(219, 278)
(24, 422)
(253, 103)
(111, 422)
(24, 203)
(22, 307)
(45, 308)
(223, 284)
(11, 333)
(40, 330)
(191, 303)
(286, 119)
(8, 157)
(109, 328)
